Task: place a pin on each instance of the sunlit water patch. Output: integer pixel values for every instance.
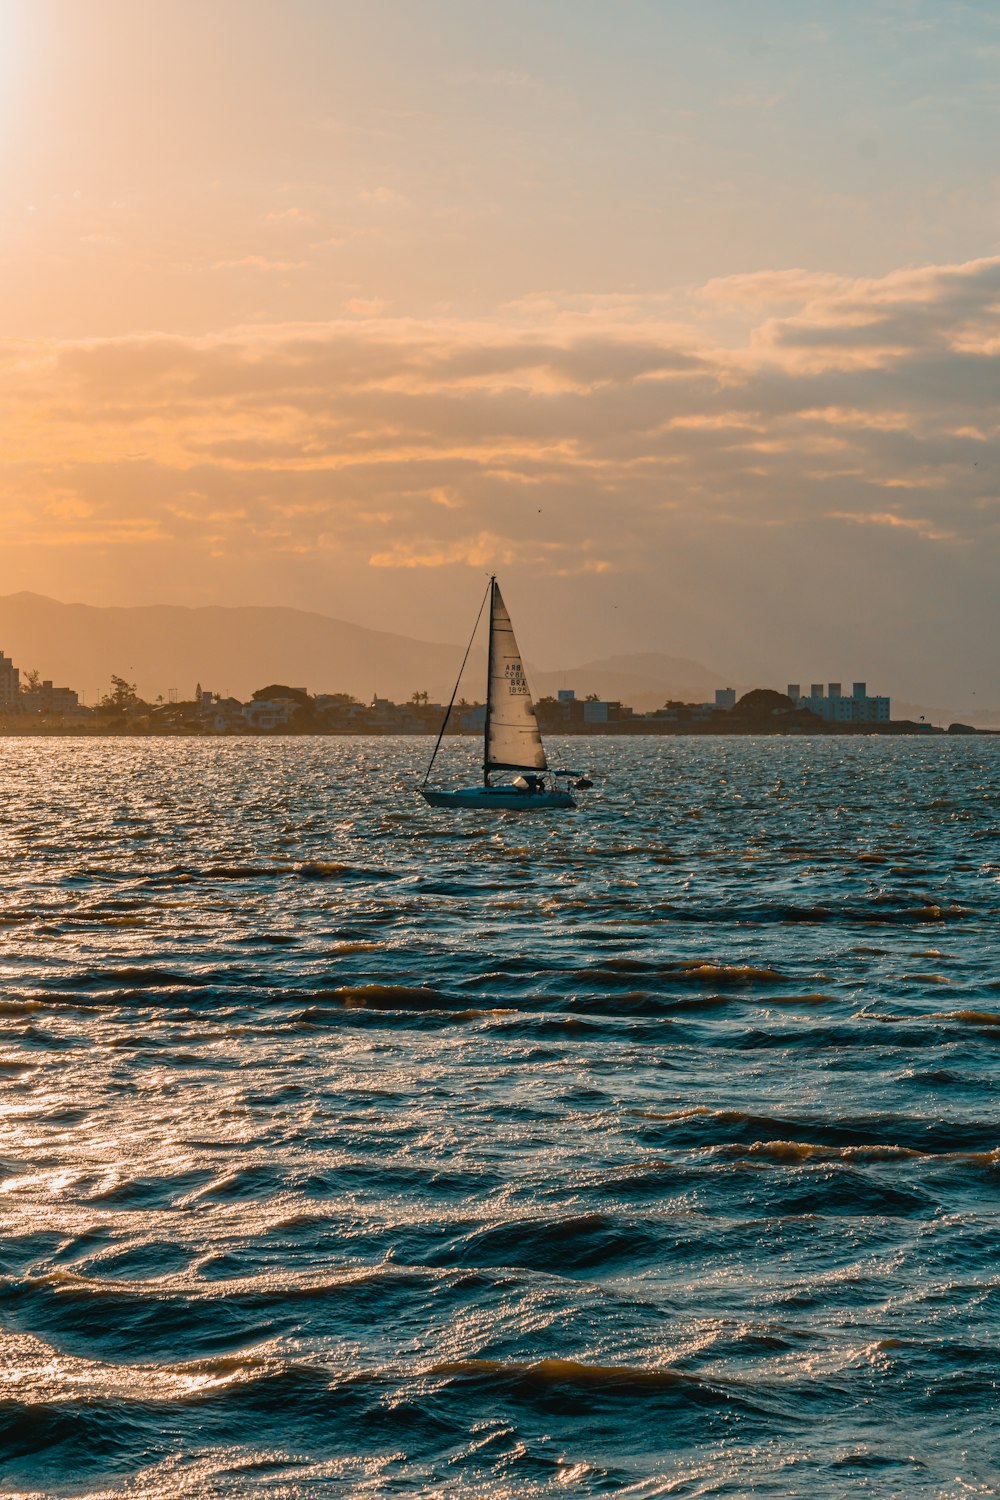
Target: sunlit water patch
(350, 1147)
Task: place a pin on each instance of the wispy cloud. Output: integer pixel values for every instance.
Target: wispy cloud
(257, 263)
(919, 525)
(365, 307)
(290, 216)
(564, 436)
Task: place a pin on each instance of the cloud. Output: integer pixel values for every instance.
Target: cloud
(257, 263)
(488, 550)
(383, 197)
(365, 307)
(917, 524)
(565, 435)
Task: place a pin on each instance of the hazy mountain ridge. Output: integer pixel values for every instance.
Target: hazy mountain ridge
(644, 680)
(236, 649)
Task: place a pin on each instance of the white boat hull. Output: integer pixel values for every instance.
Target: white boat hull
(499, 799)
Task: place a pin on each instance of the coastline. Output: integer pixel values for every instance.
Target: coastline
(592, 731)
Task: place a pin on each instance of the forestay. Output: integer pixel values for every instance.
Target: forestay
(513, 742)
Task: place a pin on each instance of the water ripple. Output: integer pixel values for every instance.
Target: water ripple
(349, 1148)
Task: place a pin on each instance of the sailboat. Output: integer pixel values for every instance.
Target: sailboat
(511, 739)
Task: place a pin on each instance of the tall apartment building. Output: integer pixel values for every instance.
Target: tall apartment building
(10, 683)
(837, 708)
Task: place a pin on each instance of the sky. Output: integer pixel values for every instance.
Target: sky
(684, 319)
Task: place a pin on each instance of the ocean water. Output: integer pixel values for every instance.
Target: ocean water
(354, 1148)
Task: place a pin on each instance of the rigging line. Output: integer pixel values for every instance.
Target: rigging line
(454, 695)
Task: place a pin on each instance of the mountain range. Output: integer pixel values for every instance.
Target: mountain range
(235, 650)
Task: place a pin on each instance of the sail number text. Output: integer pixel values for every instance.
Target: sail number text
(514, 673)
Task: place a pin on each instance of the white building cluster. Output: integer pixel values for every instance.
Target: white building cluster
(837, 708)
(10, 682)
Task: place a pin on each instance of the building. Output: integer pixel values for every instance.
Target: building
(473, 720)
(227, 716)
(725, 697)
(267, 713)
(835, 708)
(596, 711)
(46, 699)
(10, 683)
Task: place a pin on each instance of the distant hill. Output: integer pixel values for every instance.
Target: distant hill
(644, 680)
(235, 650)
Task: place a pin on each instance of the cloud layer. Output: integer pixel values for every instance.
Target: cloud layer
(785, 422)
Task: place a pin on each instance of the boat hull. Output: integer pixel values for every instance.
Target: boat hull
(499, 799)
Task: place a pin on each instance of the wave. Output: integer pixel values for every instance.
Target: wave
(389, 997)
(970, 1017)
(354, 1150)
(552, 1373)
(804, 1151)
(567, 1246)
(734, 1129)
(137, 978)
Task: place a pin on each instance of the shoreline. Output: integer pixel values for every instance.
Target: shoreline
(593, 731)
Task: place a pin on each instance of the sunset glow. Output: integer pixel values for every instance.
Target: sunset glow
(305, 304)
(500, 730)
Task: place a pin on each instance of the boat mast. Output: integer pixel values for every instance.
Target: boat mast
(458, 683)
(489, 677)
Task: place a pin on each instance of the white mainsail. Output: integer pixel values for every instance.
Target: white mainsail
(513, 742)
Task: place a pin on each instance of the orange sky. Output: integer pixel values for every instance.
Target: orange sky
(686, 324)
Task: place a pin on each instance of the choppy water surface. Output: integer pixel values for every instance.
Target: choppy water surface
(351, 1147)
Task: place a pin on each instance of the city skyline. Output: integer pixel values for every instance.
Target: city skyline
(234, 650)
(31, 700)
